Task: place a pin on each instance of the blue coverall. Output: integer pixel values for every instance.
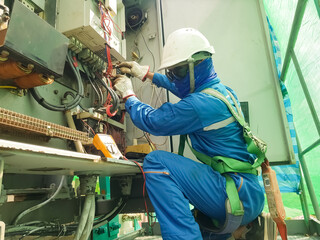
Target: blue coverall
(173, 182)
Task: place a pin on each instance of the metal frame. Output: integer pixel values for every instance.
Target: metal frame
(290, 54)
(317, 3)
(52, 161)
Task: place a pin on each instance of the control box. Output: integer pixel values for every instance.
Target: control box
(81, 19)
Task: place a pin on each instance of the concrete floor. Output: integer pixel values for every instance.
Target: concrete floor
(301, 237)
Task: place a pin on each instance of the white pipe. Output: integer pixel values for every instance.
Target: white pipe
(40, 204)
(87, 230)
(84, 216)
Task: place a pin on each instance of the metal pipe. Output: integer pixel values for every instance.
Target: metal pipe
(303, 201)
(71, 125)
(307, 178)
(312, 146)
(306, 92)
(295, 27)
(317, 3)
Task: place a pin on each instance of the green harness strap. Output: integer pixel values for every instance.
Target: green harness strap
(223, 168)
(254, 145)
(225, 165)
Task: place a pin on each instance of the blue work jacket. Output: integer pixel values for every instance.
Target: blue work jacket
(192, 114)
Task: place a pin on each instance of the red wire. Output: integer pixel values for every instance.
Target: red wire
(106, 28)
(88, 127)
(143, 189)
(122, 117)
(116, 27)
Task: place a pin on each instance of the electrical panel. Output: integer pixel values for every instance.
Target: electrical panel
(82, 20)
(62, 124)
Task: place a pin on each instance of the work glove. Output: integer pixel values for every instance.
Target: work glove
(134, 69)
(124, 87)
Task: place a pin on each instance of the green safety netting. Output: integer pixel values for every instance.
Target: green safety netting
(307, 49)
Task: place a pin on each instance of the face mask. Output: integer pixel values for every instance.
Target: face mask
(203, 73)
(182, 85)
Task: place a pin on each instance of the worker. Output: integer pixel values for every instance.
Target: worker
(173, 181)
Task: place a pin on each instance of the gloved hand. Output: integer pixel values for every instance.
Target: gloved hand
(123, 85)
(134, 69)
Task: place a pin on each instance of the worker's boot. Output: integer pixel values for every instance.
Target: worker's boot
(262, 228)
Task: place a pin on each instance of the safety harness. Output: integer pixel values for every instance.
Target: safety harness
(225, 165)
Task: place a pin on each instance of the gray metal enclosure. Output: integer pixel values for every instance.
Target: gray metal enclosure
(243, 60)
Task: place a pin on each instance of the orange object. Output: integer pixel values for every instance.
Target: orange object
(33, 80)
(107, 146)
(11, 70)
(275, 203)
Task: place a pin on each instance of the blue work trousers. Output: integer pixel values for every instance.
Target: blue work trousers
(174, 182)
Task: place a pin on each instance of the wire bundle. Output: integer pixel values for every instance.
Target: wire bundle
(107, 31)
(76, 100)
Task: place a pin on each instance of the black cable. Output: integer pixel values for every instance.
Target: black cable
(74, 96)
(107, 218)
(74, 103)
(100, 92)
(100, 97)
(113, 94)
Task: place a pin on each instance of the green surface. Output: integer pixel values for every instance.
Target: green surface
(307, 49)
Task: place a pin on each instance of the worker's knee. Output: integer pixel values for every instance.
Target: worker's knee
(156, 158)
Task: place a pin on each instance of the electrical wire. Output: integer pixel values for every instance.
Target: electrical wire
(105, 25)
(89, 224)
(89, 127)
(76, 100)
(66, 94)
(152, 145)
(11, 87)
(84, 216)
(41, 204)
(139, 30)
(153, 58)
(143, 188)
(108, 217)
(32, 231)
(100, 97)
(114, 96)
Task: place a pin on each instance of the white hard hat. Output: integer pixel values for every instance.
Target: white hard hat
(182, 44)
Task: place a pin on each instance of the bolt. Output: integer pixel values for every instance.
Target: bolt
(4, 53)
(30, 66)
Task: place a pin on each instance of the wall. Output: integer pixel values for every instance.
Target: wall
(243, 61)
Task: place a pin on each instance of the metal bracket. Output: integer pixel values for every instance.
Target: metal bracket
(125, 185)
